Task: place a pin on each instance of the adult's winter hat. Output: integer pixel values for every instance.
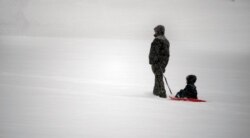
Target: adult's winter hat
(160, 29)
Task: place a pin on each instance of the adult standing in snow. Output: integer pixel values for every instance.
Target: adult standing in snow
(158, 59)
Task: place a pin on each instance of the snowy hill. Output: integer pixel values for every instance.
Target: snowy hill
(66, 76)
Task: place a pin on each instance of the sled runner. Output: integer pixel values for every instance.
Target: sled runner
(186, 99)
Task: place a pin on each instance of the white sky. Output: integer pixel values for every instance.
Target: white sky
(221, 23)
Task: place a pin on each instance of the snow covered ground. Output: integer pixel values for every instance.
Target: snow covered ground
(82, 84)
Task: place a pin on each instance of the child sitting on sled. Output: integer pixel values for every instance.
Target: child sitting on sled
(190, 90)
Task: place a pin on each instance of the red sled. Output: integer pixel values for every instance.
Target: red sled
(186, 99)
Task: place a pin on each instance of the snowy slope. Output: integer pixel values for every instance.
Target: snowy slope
(92, 88)
(60, 81)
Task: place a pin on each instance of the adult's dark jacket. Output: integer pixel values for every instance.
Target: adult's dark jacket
(159, 52)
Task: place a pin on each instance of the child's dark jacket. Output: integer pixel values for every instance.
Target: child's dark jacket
(188, 92)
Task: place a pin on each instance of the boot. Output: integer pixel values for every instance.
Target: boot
(163, 95)
(156, 93)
